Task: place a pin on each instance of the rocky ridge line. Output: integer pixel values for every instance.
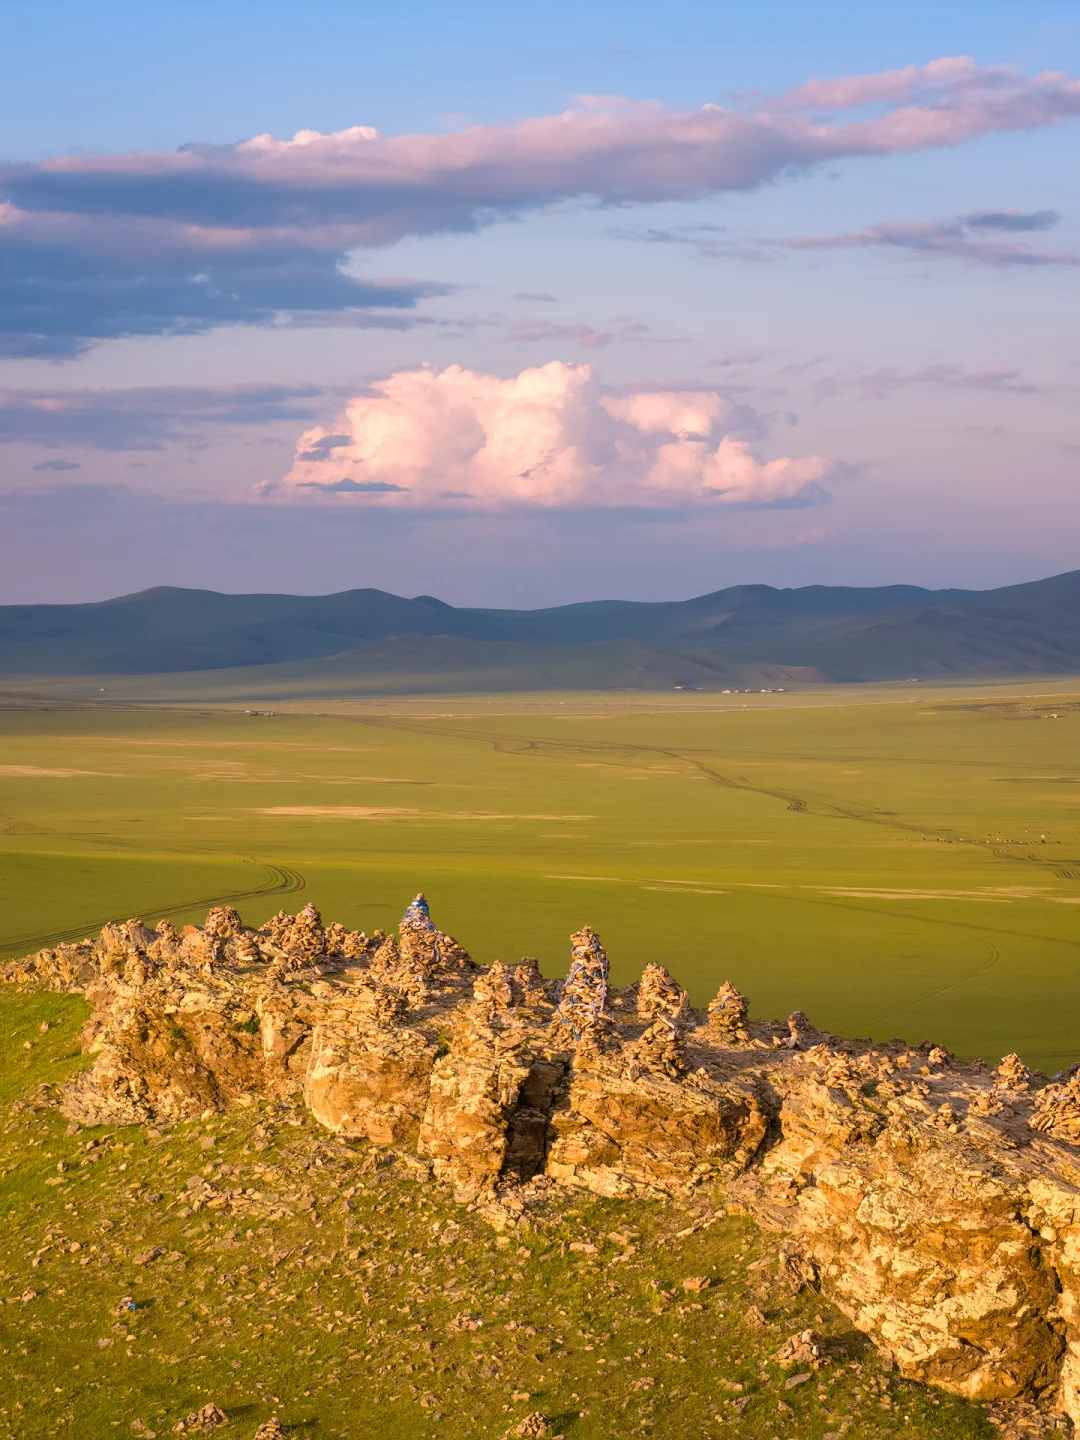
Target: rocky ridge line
(936, 1202)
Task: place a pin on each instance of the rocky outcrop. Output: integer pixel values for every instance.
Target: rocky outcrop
(368, 1072)
(921, 1217)
(474, 1091)
(620, 1130)
(936, 1202)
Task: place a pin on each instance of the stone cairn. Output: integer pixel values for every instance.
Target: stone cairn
(728, 1012)
(659, 994)
(1057, 1111)
(582, 1014)
(661, 1049)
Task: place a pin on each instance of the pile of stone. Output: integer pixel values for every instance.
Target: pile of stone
(808, 1347)
(728, 1012)
(582, 1013)
(659, 995)
(201, 1422)
(1013, 1074)
(535, 1426)
(1057, 1110)
(661, 1049)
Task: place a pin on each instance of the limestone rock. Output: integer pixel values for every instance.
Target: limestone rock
(367, 1078)
(650, 1135)
(285, 1022)
(659, 995)
(582, 1013)
(473, 1091)
(935, 1201)
(1057, 1111)
(163, 1063)
(728, 1012)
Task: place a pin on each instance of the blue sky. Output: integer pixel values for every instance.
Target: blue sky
(880, 337)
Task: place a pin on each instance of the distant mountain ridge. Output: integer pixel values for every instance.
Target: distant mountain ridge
(822, 632)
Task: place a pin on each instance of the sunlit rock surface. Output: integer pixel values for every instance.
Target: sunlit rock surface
(936, 1202)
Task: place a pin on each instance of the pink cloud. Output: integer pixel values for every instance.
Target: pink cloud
(356, 187)
(546, 331)
(154, 243)
(937, 81)
(964, 238)
(549, 437)
(880, 383)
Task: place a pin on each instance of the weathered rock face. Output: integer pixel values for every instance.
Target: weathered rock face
(936, 1202)
(368, 1078)
(475, 1089)
(920, 1223)
(621, 1130)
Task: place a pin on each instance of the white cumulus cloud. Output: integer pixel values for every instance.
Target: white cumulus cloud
(548, 437)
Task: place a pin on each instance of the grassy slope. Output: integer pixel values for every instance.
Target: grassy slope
(312, 641)
(326, 1292)
(878, 865)
(414, 665)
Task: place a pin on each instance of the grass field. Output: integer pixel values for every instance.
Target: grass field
(893, 863)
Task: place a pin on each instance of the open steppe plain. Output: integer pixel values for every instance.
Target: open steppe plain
(891, 862)
(894, 861)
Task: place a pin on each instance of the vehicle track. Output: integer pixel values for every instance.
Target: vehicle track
(282, 881)
(995, 956)
(517, 745)
(12, 825)
(1060, 866)
(832, 903)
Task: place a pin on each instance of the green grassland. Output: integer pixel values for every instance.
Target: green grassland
(892, 863)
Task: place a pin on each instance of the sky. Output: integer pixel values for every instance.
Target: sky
(521, 305)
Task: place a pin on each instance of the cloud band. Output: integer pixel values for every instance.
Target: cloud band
(93, 247)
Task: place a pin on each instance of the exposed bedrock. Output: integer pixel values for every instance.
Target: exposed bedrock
(936, 1202)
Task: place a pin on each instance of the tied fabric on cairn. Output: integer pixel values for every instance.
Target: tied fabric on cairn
(418, 914)
(583, 1004)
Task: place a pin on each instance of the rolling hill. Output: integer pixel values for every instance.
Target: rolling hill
(365, 640)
